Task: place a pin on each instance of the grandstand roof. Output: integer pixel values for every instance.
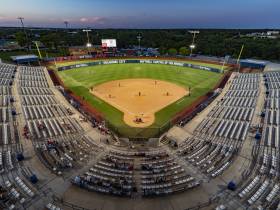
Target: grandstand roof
(24, 58)
(253, 61)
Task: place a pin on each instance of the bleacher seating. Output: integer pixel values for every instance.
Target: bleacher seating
(63, 145)
(218, 138)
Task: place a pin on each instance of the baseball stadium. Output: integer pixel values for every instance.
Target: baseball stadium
(142, 106)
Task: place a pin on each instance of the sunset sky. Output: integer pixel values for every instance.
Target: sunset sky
(143, 13)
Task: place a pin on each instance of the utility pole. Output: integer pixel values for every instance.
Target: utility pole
(23, 27)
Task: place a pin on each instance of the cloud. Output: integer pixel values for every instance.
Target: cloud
(93, 20)
(84, 19)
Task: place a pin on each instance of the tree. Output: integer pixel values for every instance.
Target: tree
(162, 50)
(21, 39)
(51, 40)
(172, 51)
(183, 51)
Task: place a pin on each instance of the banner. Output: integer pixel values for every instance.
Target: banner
(173, 63)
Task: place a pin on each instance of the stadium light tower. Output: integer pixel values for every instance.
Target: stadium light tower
(192, 46)
(88, 42)
(23, 27)
(139, 37)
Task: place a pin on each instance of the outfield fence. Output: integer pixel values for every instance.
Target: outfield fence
(139, 61)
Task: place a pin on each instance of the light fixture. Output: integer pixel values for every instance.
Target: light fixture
(192, 46)
(89, 45)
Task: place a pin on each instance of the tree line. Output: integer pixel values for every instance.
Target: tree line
(171, 42)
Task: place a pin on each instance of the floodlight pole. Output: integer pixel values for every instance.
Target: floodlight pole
(23, 27)
(139, 37)
(66, 29)
(88, 43)
(192, 46)
(87, 31)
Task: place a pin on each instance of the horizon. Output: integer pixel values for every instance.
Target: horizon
(178, 14)
(81, 28)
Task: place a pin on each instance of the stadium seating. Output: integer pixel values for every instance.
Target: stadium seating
(33, 112)
(261, 187)
(58, 137)
(162, 175)
(268, 156)
(218, 138)
(13, 189)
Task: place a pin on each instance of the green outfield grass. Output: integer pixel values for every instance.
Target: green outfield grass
(80, 80)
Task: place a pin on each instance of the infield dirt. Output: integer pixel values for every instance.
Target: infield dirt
(139, 98)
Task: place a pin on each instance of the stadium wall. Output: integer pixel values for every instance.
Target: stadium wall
(164, 62)
(203, 59)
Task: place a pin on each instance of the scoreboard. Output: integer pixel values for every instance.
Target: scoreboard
(109, 43)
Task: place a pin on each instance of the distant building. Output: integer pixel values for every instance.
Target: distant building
(265, 35)
(270, 33)
(9, 45)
